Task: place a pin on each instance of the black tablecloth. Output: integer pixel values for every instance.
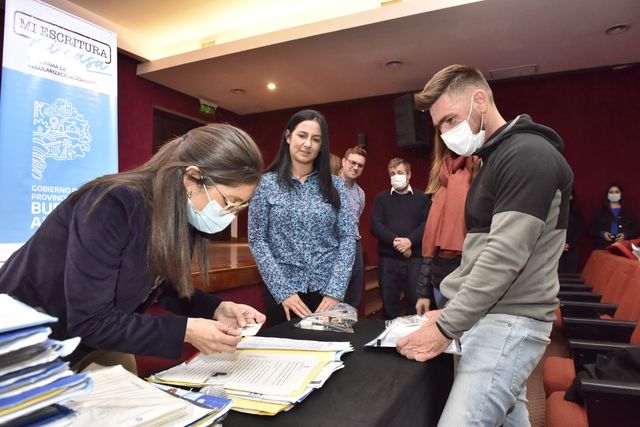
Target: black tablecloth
(377, 387)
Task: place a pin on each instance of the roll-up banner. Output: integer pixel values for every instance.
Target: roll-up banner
(58, 113)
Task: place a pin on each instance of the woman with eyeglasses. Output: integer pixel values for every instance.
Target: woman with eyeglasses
(123, 241)
(301, 230)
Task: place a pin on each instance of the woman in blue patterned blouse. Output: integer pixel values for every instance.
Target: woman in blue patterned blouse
(301, 232)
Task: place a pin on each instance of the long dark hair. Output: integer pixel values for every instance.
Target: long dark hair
(222, 152)
(282, 163)
(606, 206)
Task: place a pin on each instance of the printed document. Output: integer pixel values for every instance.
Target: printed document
(260, 373)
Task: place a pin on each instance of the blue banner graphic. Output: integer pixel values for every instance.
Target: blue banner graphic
(58, 113)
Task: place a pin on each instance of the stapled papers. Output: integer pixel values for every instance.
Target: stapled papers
(266, 375)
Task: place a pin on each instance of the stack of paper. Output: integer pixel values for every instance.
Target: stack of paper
(33, 380)
(121, 399)
(266, 375)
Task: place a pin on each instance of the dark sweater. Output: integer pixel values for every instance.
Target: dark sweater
(399, 215)
(516, 215)
(92, 275)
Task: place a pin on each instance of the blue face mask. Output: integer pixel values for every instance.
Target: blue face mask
(211, 219)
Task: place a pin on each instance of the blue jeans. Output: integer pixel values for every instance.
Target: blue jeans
(498, 355)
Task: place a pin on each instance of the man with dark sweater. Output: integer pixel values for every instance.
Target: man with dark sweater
(397, 221)
(503, 296)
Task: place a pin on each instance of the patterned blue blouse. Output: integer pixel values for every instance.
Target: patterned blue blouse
(300, 243)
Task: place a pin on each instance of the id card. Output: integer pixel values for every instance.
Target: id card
(250, 329)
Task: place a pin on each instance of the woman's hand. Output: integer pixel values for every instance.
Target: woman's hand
(608, 237)
(422, 306)
(237, 315)
(619, 237)
(295, 304)
(210, 336)
(326, 303)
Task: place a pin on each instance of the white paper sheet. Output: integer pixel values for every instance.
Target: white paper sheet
(269, 374)
(403, 326)
(16, 315)
(264, 343)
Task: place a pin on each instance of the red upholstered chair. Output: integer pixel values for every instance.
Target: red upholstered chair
(562, 413)
(607, 403)
(559, 372)
(573, 292)
(619, 274)
(623, 248)
(593, 264)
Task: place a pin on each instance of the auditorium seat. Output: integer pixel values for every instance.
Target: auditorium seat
(585, 278)
(558, 372)
(621, 276)
(607, 403)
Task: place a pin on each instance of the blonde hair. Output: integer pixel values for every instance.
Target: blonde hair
(356, 150)
(397, 161)
(439, 152)
(453, 80)
(335, 164)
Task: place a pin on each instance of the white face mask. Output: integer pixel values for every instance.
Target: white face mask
(461, 139)
(614, 197)
(210, 219)
(399, 182)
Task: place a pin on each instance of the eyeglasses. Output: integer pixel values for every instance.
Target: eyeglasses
(353, 163)
(229, 207)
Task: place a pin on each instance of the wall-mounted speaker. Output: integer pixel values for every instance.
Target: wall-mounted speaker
(410, 123)
(362, 140)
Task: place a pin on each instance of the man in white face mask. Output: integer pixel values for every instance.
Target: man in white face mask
(503, 296)
(398, 220)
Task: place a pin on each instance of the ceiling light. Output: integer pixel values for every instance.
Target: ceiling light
(621, 67)
(509, 72)
(393, 64)
(238, 91)
(617, 29)
(271, 86)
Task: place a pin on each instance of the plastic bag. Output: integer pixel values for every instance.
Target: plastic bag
(338, 318)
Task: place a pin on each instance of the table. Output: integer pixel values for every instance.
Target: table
(377, 387)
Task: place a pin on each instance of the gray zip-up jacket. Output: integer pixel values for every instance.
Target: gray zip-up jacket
(516, 215)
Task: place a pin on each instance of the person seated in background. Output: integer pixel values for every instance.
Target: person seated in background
(301, 228)
(444, 233)
(352, 166)
(613, 221)
(569, 259)
(397, 221)
(123, 241)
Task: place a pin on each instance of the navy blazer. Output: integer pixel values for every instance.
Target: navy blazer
(91, 273)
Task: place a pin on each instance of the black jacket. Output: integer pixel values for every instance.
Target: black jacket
(601, 222)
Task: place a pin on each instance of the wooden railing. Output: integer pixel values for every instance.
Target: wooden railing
(232, 266)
